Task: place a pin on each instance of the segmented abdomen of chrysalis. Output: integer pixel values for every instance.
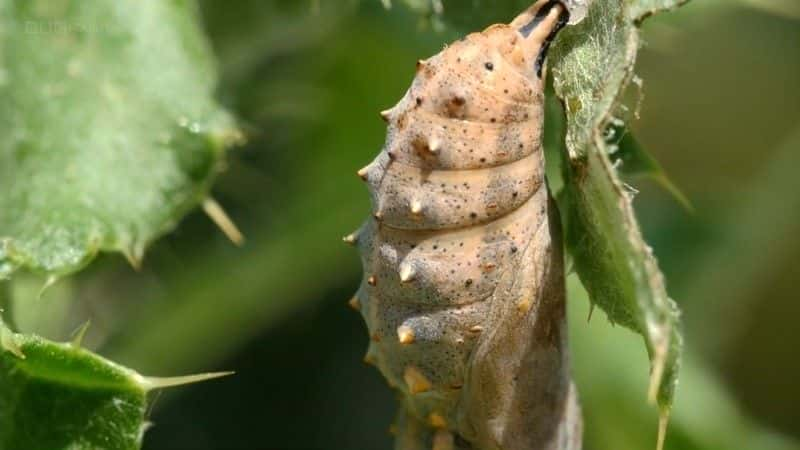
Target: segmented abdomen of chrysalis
(463, 289)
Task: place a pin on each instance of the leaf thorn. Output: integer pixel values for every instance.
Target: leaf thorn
(8, 341)
(151, 383)
(659, 362)
(663, 423)
(134, 258)
(217, 215)
(48, 283)
(78, 334)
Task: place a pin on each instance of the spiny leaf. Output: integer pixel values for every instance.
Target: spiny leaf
(109, 131)
(592, 64)
(57, 396)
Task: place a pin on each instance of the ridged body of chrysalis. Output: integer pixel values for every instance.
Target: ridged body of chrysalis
(463, 291)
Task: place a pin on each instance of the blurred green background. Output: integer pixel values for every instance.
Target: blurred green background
(721, 112)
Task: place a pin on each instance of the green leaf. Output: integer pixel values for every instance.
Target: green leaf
(592, 64)
(109, 131)
(632, 161)
(60, 396)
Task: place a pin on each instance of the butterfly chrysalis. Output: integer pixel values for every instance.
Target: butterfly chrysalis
(463, 291)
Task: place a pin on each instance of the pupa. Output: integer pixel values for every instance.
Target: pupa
(463, 291)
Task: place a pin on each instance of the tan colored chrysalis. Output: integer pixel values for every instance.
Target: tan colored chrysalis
(463, 291)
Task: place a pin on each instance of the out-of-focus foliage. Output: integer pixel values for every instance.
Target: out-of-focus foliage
(110, 133)
(704, 415)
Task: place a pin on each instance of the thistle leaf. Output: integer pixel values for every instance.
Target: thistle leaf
(592, 64)
(110, 133)
(61, 396)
